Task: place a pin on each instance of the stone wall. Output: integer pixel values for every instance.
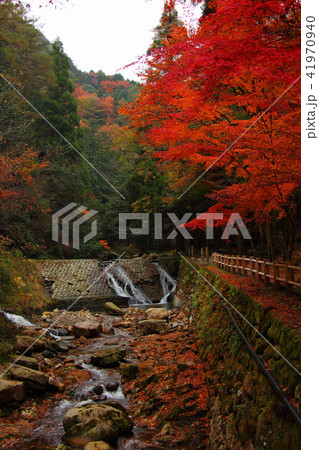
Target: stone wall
(245, 411)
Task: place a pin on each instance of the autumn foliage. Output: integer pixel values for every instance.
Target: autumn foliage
(226, 95)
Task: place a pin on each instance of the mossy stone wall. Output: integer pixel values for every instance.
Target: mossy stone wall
(246, 413)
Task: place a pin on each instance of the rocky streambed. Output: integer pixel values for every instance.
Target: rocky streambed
(125, 379)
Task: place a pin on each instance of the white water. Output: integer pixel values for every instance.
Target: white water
(18, 320)
(118, 279)
(121, 283)
(168, 283)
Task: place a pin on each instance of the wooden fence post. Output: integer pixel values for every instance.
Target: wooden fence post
(287, 278)
(276, 275)
(266, 272)
(244, 265)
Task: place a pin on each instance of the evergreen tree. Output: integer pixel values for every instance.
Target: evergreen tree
(169, 20)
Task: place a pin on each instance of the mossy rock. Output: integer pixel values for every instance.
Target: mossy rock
(108, 357)
(129, 372)
(113, 310)
(94, 430)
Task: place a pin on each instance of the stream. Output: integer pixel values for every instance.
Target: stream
(47, 431)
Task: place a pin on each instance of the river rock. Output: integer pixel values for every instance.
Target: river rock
(87, 329)
(93, 430)
(108, 357)
(129, 372)
(33, 379)
(11, 391)
(113, 310)
(27, 361)
(98, 390)
(112, 386)
(116, 405)
(157, 313)
(28, 344)
(99, 445)
(152, 326)
(115, 418)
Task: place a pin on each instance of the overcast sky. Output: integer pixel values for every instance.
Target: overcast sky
(104, 34)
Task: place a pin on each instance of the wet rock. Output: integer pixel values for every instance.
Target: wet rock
(115, 418)
(123, 325)
(62, 347)
(33, 379)
(111, 386)
(107, 330)
(99, 398)
(60, 332)
(27, 361)
(98, 390)
(108, 357)
(87, 329)
(129, 372)
(28, 344)
(48, 354)
(113, 310)
(94, 430)
(116, 405)
(152, 326)
(157, 313)
(11, 391)
(98, 445)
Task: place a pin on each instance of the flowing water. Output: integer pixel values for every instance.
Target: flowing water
(18, 320)
(118, 279)
(168, 283)
(48, 430)
(123, 286)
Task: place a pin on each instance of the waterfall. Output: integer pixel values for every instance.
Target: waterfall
(168, 283)
(118, 279)
(18, 320)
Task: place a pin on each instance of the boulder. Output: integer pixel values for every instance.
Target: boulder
(157, 313)
(129, 372)
(93, 430)
(98, 390)
(116, 405)
(113, 310)
(112, 386)
(33, 379)
(28, 344)
(11, 391)
(27, 361)
(113, 417)
(98, 445)
(152, 326)
(87, 329)
(108, 357)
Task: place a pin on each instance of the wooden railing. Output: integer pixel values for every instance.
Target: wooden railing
(266, 271)
(278, 274)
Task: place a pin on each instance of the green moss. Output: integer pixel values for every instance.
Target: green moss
(257, 417)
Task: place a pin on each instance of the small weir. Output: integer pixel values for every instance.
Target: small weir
(123, 286)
